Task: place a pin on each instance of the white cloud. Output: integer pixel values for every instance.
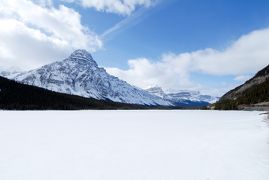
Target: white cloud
(242, 78)
(36, 33)
(166, 72)
(245, 56)
(124, 7)
(44, 3)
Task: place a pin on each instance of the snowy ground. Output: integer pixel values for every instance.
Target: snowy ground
(134, 145)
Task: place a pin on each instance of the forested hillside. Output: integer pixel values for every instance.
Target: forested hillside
(16, 96)
(255, 90)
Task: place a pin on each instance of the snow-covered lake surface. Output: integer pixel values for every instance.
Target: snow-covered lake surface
(134, 145)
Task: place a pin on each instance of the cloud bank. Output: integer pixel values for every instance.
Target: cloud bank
(123, 7)
(245, 56)
(34, 33)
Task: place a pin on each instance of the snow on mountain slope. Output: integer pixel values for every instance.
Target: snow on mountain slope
(182, 96)
(80, 75)
(157, 91)
(9, 74)
(192, 96)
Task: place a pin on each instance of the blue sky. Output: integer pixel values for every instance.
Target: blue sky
(176, 26)
(182, 26)
(209, 45)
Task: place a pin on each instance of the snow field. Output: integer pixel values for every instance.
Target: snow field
(134, 145)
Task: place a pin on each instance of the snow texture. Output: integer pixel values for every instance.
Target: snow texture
(134, 145)
(80, 75)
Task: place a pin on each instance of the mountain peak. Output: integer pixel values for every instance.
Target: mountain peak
(82, 57)
(157, 91)
(155, 88)
(80, 75)
(81, 54)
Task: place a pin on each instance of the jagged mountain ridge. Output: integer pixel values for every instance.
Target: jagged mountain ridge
(187, 98)
(80, 75)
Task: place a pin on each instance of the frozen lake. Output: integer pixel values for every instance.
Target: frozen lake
(134, 145)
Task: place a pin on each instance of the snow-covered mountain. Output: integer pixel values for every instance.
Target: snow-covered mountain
(192, 96)
(183, 97)
(157, 91)
(4, 73)
(9, 74)
(80, 75)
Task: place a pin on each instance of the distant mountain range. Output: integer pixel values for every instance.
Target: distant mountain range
(184, 98)
(80, 75)
(253, 94)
